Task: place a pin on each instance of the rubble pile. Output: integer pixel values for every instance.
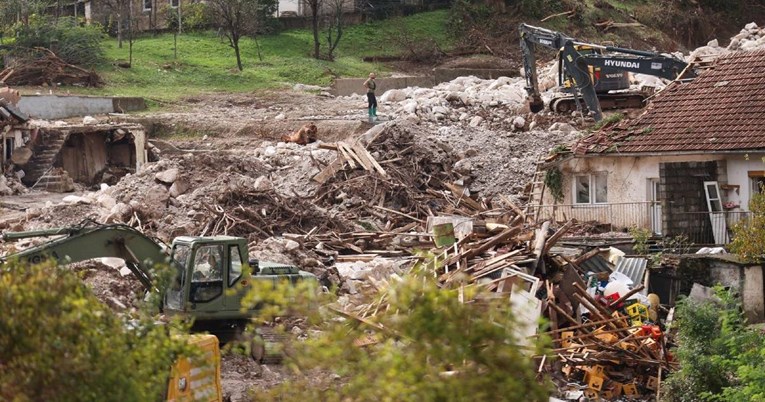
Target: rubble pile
(43, 67)
(751, 37)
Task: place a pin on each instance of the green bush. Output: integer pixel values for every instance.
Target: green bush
(72, 42)
(59, 343)
(749, 234)
(194, 16)
(424, 344)
(721, 359)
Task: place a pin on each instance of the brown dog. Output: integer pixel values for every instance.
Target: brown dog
(305, 135)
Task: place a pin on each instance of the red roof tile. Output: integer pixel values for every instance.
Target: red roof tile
(721, 110)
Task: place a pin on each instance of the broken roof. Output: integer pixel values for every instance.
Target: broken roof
(721, 110)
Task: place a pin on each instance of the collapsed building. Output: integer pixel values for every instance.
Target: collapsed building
(54, 155)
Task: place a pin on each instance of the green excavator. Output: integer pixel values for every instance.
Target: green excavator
(211, 274)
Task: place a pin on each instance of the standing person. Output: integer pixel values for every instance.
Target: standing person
(371, 85)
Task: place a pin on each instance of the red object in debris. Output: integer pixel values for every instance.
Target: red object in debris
(612, 298)
(651, 330)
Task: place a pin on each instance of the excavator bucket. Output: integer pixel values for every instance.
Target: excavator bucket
(536, 104)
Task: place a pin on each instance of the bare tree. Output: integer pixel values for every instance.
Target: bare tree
(315, 6)
(119, 10)
(236, 18)
(334, 25)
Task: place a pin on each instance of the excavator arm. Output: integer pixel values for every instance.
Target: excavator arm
(86, 242)
(573, 62)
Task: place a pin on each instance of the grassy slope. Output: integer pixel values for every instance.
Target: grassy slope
(206, 63)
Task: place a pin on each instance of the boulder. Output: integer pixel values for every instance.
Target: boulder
(393, 95)
(180, 186)
(168, 176)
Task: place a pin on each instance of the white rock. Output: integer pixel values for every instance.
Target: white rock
(121, 210)
(73, 199)
(279, 116)
(106, 201)
(562, 127)
(393, 95)
(125, 271)
(4, 189)
(410, 106)
(270, 150)
(180, 186)
(476, 121)
(493, 103)
(519, 122)
(713, 43)
(116, 263)
(750, 26)
(291, 245)
(440, 110)
(89, 120)
(168, 176)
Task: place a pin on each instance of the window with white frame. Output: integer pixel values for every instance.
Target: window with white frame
(590, 188)
(756, 181)
(174, 3)
(147, 5)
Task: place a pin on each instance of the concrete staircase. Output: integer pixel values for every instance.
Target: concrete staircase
(40, 172)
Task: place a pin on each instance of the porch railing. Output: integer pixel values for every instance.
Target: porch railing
(700, 228)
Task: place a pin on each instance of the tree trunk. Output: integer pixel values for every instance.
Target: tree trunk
(315, 28)
(119, 31)
(238, 56)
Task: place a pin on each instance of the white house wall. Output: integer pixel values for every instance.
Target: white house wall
(739, 167)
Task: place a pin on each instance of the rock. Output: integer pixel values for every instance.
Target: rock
(463, 167)
(270, 150)
(713, 43)
(532, 125)
(4, 189)
(263, 184)
(168, 176)
(750, 26)
(476, 121)
(410, 106)
(279, 116)
(393, 95)
(104, 186)
(125, 271)
(519, 123)
(116, 263)
(106, 201)
(494, 103)
(291, 245)
(21, 156)
(180, 186)
(89, 120)
(122, 211)
(453, 97)
(565, 128)
(73, 199)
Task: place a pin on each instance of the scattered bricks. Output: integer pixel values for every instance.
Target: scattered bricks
(594, 382)
(652, 383)
(565, 338)
(591, 394)
(630, 390)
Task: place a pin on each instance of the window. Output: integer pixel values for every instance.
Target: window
(756, 181)
(174, 3)
(147, 5)
(591, 189)
(207, 277)
(180, 256)
(235, 267)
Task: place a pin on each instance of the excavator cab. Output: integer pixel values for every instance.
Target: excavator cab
(605, 79)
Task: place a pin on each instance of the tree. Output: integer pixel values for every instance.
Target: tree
(749, 234)
(425, 345)
(59, 343)
(315, 6)
(334, 25)
(236, 18)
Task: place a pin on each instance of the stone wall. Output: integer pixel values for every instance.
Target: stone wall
(684, 202)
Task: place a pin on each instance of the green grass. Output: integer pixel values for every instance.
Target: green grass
(206, 63)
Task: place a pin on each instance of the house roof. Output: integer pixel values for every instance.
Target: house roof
(721, 110)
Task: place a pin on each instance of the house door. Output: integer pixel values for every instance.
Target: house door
(655, 205)
(716, 215)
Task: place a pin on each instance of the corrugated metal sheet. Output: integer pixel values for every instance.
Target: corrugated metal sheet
(634, 268)
(596, 264)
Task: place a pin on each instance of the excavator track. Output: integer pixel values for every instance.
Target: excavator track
(567, 104)
(268, 347)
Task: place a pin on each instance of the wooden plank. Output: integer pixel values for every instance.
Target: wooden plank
(458, 192)
(348, 157)
(361, 151)
(329, 171)
(557, 235)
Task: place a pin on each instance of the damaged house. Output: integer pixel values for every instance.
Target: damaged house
(687, 166)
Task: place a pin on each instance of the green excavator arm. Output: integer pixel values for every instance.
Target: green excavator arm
(93, 241)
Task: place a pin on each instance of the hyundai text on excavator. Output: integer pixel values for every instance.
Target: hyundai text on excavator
(211, 274)
(585, 70)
